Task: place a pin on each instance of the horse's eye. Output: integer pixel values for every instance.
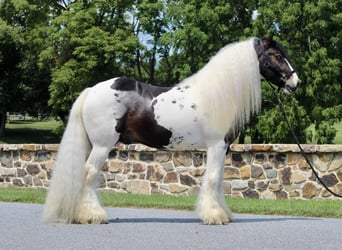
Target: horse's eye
(279, 58)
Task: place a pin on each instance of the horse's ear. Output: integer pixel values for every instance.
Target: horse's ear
(266, 42)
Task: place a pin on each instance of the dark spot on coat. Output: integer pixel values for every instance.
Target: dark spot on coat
(174, 101)
(178, 140)
(138, 125)
(154, 102)
(193, 106)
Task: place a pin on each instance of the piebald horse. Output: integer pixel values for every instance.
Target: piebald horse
(205, 110)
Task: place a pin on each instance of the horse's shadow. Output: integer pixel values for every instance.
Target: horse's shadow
(198, 221)
(271, 219)
(155, 220)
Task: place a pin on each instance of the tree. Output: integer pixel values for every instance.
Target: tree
(57, 48)
(300, 26)
(10, 58)
(89, 42)
(149, 25)
(24, 85)
(196, 30)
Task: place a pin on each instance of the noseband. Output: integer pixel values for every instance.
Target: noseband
(266, 67)
(287, 76)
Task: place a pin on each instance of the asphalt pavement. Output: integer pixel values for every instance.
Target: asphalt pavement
(21, 228)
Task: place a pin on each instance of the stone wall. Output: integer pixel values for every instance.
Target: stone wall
(252, 171)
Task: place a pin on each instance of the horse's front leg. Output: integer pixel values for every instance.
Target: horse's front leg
(211, 206)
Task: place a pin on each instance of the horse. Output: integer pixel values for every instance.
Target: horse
(206, 110)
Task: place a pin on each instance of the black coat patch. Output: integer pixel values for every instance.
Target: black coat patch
(138, 124)
(143, 89)
(124, 84)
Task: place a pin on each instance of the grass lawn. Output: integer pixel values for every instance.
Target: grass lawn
(307, 208)
(338, 138)
(31, 131)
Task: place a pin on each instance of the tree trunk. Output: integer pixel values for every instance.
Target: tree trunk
(138, 65)
(2, 122)
(242, 137)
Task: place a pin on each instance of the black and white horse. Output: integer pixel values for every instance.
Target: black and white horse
(206, 110)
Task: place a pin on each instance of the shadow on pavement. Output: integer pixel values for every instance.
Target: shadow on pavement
(270, 219)
(155, 220)
(196, 220)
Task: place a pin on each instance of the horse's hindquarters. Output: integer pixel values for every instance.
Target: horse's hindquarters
(100, 113)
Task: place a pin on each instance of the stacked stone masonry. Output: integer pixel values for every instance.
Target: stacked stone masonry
(266, 171)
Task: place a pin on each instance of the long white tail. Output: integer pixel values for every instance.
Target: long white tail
(69, 171)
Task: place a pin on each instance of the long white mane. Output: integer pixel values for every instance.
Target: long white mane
(229, 86)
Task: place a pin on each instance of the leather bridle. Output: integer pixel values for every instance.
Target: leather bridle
(267, 70)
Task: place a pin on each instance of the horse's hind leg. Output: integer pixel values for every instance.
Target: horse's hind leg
(90, 210)
(211, 206)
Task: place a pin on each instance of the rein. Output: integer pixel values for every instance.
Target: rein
(281, 105)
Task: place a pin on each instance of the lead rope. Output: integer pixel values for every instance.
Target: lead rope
(300, 147)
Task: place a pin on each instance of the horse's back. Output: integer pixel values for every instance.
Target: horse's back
(144, 90)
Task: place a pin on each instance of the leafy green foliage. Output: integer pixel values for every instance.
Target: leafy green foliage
(311, 30)
(10, 58)
(51, 50)
(87, 44)
(198, 29)
(30, 82)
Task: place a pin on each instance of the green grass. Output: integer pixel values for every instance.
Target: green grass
(306, 208)
(23, 195)
(31, 131)
(338, 138)
(148, 201)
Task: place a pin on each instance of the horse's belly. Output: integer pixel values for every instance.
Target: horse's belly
(186, 140)
(182, 118)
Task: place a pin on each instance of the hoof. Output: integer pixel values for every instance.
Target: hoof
(215, 217)
(90, 220)
(214, 214)
(94, 216)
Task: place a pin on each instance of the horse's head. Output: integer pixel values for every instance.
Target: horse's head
(275, 66)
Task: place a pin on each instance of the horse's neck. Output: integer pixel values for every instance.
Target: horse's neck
(228, 87)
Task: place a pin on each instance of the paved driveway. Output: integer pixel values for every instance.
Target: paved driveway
(129, 228)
